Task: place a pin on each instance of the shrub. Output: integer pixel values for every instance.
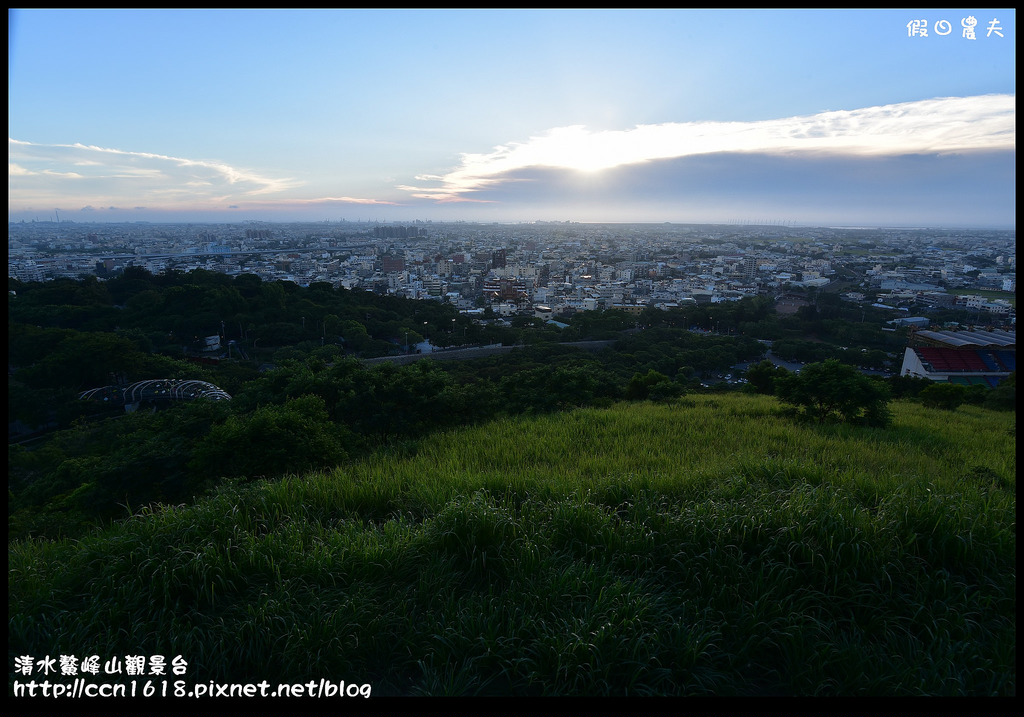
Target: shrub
(294, 438)
(1004, 396)
(834, 389)
(947, 396)
(653, 385)
(762, 376)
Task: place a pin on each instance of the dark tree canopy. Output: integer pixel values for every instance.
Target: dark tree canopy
(762, 376)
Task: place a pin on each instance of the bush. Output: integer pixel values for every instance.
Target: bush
(947, 396)
(762, 376)
(1004, 396)
(833, 389)
(274, 440)
(653, 385)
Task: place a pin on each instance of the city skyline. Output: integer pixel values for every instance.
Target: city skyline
(812, 117)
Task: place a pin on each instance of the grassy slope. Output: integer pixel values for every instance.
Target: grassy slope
(711, 546)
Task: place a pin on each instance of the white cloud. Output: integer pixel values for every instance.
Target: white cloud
(289, 203)
(936, 126)
(56, 175)
(53, 173)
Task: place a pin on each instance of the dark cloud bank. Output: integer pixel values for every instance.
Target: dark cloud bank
(966, 189)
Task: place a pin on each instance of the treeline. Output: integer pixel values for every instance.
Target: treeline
(171, 310)
(68, 336)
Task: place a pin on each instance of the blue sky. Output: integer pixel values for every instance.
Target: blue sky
(837, 117)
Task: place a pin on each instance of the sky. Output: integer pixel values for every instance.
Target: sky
(807, 117)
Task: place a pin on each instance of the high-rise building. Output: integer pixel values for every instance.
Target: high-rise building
(749, 266)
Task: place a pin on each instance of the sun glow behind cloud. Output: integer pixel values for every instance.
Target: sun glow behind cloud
(518, 175)
(936, 126)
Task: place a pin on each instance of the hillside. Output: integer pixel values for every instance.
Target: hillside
(710, 545)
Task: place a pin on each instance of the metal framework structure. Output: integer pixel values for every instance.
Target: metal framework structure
(156, 389)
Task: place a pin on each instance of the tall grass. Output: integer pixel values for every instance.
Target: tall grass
(711, 546)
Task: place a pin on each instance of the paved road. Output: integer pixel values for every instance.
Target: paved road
(457, 354)
(795, 365)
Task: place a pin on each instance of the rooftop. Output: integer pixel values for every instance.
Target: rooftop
(966, 339)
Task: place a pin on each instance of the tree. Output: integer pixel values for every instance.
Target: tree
(1004, 396)
(666, 390)
(295, 437)
(907, 386)
(834, 389)
(653, 385)
(544, 389)
(947, 396)
(85, 360)
(762, 376)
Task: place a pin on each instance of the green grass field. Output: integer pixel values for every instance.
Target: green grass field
(988, 294)
(711, 546)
